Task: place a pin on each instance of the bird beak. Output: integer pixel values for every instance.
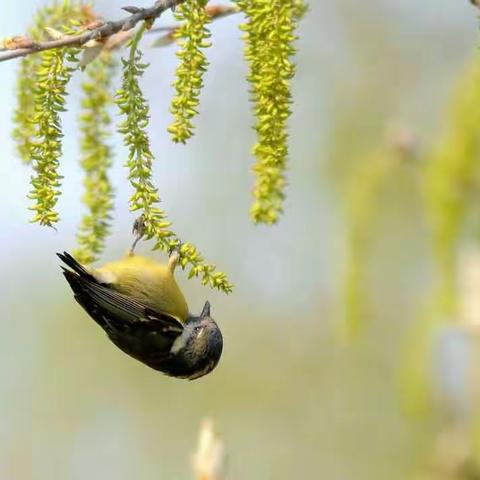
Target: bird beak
(200, 333)
(206, 310)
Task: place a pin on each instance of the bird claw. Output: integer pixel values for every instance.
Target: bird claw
(139, 226)
(174, 256)
(138, 230)
(175, 247)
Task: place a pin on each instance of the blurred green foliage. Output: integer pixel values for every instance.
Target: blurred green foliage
(95, 121)
(452, 180)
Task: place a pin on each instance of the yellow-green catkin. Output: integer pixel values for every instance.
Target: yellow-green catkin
(193, 39)
(415, 374)
(269, 36)
(52, 77)
(95, 123)
(300, 9)
(55, 16)
(134, 107)
(145, 198)
(451, 176)
(363, 194)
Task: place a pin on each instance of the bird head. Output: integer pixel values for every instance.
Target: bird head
(200, 345)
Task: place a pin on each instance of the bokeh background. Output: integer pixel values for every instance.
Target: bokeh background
(294, 396)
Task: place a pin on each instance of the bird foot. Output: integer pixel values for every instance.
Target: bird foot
(139, 231)
(174, 257)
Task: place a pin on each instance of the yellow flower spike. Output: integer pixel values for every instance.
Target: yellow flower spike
(269, 36)
(193, 37)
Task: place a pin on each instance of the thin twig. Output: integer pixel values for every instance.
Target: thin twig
(104, 31)
(214, 11)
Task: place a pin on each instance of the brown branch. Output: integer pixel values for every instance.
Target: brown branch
(104, 31)
(215, 12)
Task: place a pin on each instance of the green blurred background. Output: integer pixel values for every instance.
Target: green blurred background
(291, 397)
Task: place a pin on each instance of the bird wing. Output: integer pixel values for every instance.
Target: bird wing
(111, 309)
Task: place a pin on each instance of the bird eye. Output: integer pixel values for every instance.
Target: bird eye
(199, 331)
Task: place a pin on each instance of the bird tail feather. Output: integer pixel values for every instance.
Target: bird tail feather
(78, 268)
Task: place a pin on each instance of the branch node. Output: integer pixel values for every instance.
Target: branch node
(132, 10)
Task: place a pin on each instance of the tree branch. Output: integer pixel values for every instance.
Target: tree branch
(214, 11)
(104, 31)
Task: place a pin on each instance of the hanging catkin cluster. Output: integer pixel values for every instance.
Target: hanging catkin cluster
(44, 77)
(193, 38)
(45, 148)
(135, 109)
(269, 36)
(95, 121)
(452, 175)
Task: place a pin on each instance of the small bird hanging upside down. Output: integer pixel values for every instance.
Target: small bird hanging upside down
(144, 313)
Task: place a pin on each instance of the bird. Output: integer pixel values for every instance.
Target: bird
(139, 305)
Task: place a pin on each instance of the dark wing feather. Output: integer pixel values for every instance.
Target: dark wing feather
(111, 309)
